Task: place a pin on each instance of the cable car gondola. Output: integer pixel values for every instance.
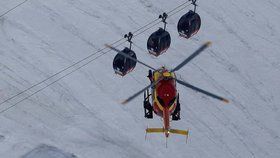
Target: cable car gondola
(189, 24)
(123, 65)
(159, 41)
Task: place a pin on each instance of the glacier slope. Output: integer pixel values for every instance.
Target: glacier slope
(81, 114)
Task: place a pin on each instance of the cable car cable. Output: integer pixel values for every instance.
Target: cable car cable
(32, 94)
(140, 48)
(59, 72)
(101, 50)
(8, 11)
(77, 63)
(158, 19)
(179, 10)
(54, 75)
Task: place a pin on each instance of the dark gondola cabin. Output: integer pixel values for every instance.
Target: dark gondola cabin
(159, 42)
(123, 65)
(189, 24)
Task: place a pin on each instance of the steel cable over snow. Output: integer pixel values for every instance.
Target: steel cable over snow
(183, 5)
(8, 11)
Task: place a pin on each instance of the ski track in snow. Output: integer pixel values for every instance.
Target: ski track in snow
(81, 116)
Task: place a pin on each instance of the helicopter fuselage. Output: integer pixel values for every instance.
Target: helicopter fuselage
(164, 96)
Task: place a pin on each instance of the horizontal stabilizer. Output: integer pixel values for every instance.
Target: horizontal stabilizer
(173, 131)
(154, 130)
(161, 130)
(178, 131)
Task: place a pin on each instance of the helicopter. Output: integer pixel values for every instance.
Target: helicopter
(164, 94)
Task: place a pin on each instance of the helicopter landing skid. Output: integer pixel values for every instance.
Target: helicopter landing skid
(148, 109)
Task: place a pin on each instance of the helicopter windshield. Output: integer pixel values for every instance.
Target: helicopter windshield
(172, 101)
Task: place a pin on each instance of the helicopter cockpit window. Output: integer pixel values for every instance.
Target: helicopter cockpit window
(160, 101)
(172, 101)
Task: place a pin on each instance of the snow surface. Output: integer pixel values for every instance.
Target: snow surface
(45, 151)
(82, 115)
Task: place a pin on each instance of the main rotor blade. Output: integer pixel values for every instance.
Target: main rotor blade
(141, 91)
(197, 52)
(202, 91)
(127, 56)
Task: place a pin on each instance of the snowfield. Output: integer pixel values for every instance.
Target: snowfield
(80, 116)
